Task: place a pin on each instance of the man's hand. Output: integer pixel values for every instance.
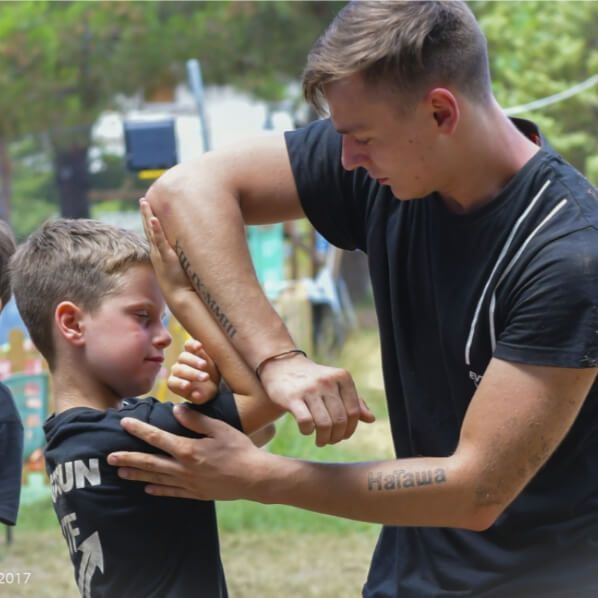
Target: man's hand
(319, 397)
(194, 376)
(221, 466)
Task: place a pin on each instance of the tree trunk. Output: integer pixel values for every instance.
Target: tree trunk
(72, 180)
(5, 181)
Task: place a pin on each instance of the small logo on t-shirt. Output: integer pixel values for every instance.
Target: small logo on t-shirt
(475, 378)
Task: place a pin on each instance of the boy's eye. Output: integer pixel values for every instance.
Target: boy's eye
(362, 141)
(143, 315)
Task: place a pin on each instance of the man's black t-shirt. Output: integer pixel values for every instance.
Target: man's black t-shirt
(518, 280)
(122, 541)
(11, 457)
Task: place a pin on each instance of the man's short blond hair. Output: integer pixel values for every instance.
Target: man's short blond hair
(69, 260)
(406, 47)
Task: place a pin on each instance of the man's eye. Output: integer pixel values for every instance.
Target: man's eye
(362, 141)
(142, 315)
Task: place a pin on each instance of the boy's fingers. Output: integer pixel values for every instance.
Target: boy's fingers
(191, 360)
(192, 345)
(187, 372)
(146, 214)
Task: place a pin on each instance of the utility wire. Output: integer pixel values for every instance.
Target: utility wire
(553, 99)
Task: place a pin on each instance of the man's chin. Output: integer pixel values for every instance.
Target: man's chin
(406, 194)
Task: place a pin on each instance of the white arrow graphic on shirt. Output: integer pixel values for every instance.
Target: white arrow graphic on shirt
(91, 560)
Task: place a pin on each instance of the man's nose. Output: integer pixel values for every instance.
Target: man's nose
(353, 154)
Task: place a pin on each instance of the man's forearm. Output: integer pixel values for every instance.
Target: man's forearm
(198, 205)
(254, 407)
(408, 492)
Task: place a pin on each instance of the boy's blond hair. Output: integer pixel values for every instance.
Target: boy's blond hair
(7, 248)
(402, 47)
(69, 260)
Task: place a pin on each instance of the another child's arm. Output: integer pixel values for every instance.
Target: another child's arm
(254, 407)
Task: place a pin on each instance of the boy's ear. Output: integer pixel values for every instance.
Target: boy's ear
(68, 319)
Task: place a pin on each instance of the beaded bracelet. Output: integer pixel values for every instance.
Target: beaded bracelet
(290, 353)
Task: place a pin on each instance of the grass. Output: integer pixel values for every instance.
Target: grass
(268, 551)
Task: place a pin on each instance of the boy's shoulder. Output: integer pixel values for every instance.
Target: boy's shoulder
(97, 432)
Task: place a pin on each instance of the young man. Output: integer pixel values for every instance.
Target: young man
(11, 428)
(483, 251)
(91, 301)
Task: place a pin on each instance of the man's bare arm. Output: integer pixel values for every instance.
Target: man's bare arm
(517, 418)
(203, 206)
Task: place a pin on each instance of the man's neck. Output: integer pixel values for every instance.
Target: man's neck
(494, 151)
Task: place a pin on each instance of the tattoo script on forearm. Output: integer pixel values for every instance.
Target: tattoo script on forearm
(204, 294)
(403, 478)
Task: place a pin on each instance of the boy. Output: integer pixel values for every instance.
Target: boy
(90, 298)
(11, 428)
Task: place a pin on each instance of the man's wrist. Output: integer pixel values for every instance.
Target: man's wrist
(268, 478)
(289, 353)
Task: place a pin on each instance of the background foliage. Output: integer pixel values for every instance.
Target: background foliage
(64, 63)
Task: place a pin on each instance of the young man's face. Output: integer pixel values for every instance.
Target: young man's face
(125, 337)
(397, 150)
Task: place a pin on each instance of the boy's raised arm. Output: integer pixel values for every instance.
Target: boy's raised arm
(255, 409)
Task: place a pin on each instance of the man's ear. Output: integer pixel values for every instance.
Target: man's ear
(68, 319)
(444, 107)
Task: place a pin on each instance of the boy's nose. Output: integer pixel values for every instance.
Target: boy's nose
(163, 338)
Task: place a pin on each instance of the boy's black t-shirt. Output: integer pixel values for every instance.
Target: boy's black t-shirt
(11, 457)
(518, 280)
(122, 541)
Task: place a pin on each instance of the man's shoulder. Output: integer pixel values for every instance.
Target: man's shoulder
(566, 184)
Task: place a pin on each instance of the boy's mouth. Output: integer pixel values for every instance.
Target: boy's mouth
(155, 359)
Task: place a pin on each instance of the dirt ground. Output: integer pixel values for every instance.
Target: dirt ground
(273, 565)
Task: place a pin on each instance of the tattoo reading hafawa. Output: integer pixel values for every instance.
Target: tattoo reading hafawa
(402, 478)
(203, 293)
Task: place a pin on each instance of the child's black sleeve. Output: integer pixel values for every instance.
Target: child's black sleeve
(222, 407)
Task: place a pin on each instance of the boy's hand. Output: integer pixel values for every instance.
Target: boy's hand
(170, 273)
(194, 376)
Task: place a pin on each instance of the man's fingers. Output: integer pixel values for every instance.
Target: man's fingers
(350, 398)
(165, 490)
(338, 418)
(199, 423)
(144, 475)
(303, 416)
(159, 438)
(321, 418)
(365, 415)
(146, 461)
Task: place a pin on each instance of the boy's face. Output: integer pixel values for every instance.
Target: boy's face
(125, 337)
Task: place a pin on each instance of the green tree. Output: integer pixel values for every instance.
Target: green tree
(538, 49)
